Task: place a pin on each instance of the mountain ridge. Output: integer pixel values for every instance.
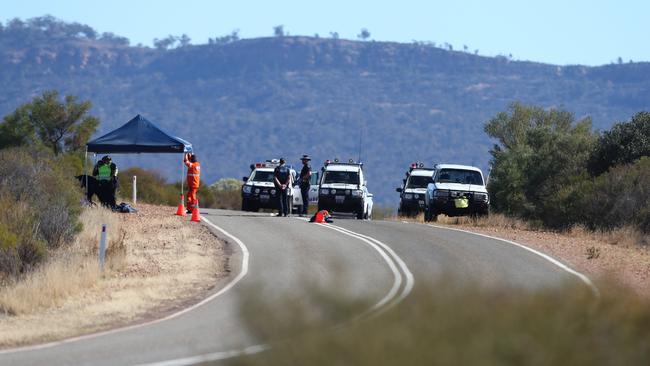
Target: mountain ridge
(254, 99)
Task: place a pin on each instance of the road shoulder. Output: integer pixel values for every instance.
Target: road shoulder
(168, 264)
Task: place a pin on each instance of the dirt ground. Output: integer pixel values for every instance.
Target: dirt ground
(600, 257)
(166, 263)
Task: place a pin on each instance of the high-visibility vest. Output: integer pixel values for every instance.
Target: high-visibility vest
(193, 174)
(104, 172)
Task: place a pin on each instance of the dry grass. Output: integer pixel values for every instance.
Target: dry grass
(160, 264)
(627, 236)
(69, 271)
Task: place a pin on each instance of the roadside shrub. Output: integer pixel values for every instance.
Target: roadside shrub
(40, 207)
(226, 194)
(538, 155)
(622, 144)
(619, 197)
(152, 187)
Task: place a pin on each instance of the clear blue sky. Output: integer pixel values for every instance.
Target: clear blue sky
(554, 31)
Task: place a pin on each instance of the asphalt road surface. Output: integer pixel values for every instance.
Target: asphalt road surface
(378, 260)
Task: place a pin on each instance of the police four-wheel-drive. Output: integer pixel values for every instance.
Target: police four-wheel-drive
(259, 190)
(413, 189)
(456, 190)
(343, 189)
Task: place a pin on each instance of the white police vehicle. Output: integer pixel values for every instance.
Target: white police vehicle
(313, 192)
(413, 189)
(457, 190)
(343, 189)
(259, 189)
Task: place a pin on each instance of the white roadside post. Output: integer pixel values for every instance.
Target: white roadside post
(135, 190)
(102, 248)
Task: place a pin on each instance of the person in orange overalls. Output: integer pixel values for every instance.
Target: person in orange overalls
(193, 180)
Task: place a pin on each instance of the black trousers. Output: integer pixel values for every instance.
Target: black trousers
(284, 205)
(108, 189)
(304, 191)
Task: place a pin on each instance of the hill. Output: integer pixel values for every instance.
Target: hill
(240, 101)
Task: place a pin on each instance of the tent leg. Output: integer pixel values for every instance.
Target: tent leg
(86, 172)
(182, 173)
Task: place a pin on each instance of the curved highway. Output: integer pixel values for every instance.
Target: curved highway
(377, 260)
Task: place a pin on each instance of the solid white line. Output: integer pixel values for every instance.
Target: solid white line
(556, 262)
(231, 284)
(410, 282)
(376, 309)
(208, 357)
(393, 267)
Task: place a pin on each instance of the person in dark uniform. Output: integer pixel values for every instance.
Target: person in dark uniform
(282, 180)
(304, 182)
(105, 172)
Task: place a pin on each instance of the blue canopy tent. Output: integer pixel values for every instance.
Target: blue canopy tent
(139, 135)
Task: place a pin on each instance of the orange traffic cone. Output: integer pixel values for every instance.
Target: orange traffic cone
(196, 216)
(181, 210)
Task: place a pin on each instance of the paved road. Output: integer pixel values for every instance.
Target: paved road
(376, 260)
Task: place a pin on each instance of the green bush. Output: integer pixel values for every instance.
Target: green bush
(226, 194)
(622, 144)
(152, 187)
(39, 201)
(619, 197)
(539, 154)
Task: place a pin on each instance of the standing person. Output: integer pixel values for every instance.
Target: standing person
(105, 171)
(193, 180)
(304, 182)
(282, 180)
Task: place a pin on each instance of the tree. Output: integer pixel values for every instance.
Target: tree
(278, 30)
(165, 43)
(364, 35)
(538, 155)
(184, 40)
(61, 126)
(114, 39)
(624, 143)
(334, 35)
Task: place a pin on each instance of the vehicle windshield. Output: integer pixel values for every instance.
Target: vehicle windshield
(341, 177)
(261, 176)
(459, 176)
(419, 181)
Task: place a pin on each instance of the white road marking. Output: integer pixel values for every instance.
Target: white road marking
(384, 304)
(231, 284)
(410, 282)
(556, 262)
(397, 283)
(208, 357)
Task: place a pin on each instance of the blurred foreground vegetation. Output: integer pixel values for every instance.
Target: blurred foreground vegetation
(440, 324)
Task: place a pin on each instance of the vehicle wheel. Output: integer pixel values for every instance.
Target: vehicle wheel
(430, 215)
(433, 216)
(360, 213)
(245, 206)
